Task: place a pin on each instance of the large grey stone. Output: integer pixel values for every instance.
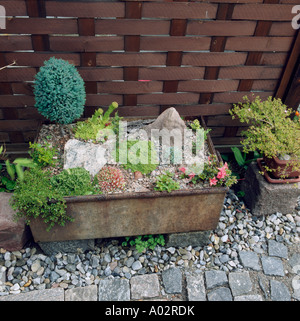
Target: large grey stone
(296, 293)
(55, 294)
(215, 278)
(294, 261)
(52, 248)
(86, 293)
(195, 287)
(219, 294)
(172, 279)
(200, 238)
(114, 290)
(169, 120)
(279, 291)
(272, 266)
(13, 234)
(240, 283)
(250, 260)
(144, 286)
(263, 198)
(87, 155)
(277, 249)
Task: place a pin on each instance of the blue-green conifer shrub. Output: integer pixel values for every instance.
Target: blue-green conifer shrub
(59, 91)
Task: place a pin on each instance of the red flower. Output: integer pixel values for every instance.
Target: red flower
(213, 181)
(182, 169)
(191, 175)
(222, 171)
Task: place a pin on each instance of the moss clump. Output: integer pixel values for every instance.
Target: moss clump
(73, 181)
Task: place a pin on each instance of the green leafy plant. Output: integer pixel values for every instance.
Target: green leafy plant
(110, 179)
(241, 158)
(165, 182)
(141, 156)
(240, 194)
(195, 125)
(43, 155)
(73, 181)
(272, 132)
(11, 171)
(34, 197)
(212, 173)
(144, 242)
(96, 127)
(59, 91)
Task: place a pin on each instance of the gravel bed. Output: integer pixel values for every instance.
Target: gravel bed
(29, 269)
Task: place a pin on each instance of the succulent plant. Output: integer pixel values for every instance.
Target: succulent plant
(59, 91)
(93, 127)
(110, 179)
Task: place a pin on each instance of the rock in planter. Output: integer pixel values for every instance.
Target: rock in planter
(13, 234)
(169, 120)
(264, 198)
(87, 155)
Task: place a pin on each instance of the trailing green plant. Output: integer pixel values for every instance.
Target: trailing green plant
(272, 131)
(140, 156)
(144, 242)
(43, 155)
(59, 91)
(36, 197)
(12, 171)
(110, 179)
(73, 181)
(96, 127)
(165, 182)
(211, 173)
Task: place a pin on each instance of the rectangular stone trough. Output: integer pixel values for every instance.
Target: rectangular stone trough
(129, 214)
(105, 216)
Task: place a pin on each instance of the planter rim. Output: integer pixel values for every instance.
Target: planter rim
(280, 161)
(134, 195)
(275, 181)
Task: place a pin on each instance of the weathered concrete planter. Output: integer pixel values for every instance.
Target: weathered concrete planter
(116, 215)
(103, 216)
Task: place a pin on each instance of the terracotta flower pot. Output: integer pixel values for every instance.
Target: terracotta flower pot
(281, 167)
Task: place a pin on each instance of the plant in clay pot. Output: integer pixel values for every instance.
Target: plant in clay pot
(273, 132)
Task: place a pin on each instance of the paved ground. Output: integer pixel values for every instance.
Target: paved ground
(270, 276)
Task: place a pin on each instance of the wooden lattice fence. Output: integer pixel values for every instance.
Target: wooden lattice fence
(198, 56)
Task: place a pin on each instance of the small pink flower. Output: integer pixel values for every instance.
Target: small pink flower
(182, 169)
(191, 175)
(213, 181)
(221, 174)
(222, 171)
